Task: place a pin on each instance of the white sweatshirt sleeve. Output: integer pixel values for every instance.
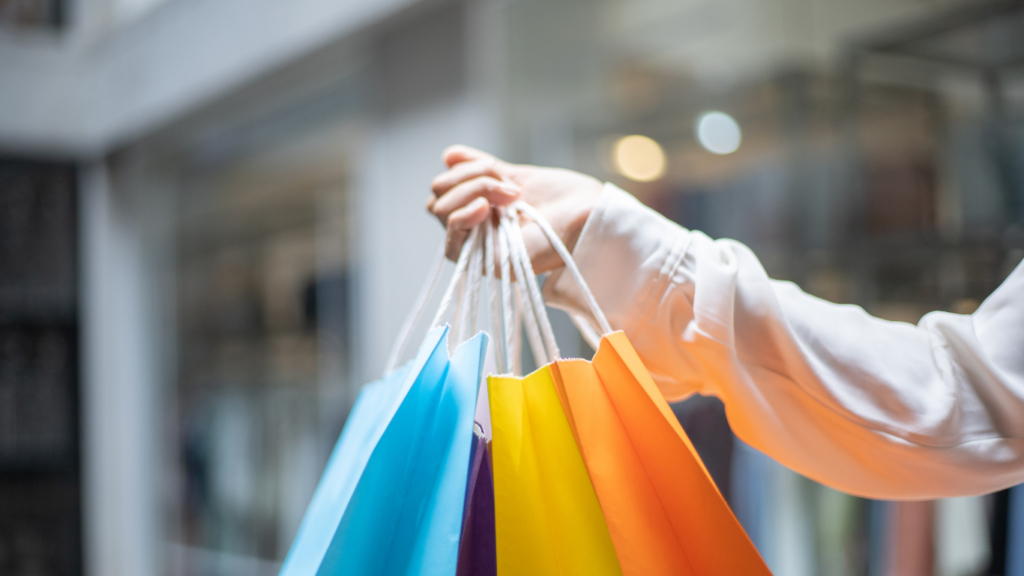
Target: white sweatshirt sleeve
(874, 408)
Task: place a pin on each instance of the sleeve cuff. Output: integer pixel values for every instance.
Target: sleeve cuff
(626, 253)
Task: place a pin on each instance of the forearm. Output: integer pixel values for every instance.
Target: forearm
(871, 407)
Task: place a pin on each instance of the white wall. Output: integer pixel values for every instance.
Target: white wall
(120, 383)
(84, 94)
(397, 238)
(84, 97)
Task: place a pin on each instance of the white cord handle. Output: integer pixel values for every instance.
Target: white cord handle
(460, 272)
(509, 323)
(417, 310)
(462, 297)
(521, 303)
(525, 307)
(544, 346)
(500, 355)
(470, 301)
(457, 283)
(563, 252)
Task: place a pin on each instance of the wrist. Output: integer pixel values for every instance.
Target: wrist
(583, 205)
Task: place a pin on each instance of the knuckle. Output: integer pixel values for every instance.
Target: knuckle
(493, 183)
(455, 221)
(458, 220)
(472, 189)
(481, 166)
(491, 165)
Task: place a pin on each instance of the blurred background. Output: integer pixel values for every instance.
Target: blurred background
(212, 226)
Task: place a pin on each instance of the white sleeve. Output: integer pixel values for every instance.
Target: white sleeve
(874, 408)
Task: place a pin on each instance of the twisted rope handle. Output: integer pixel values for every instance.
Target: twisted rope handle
(513, 306)
(567, 258)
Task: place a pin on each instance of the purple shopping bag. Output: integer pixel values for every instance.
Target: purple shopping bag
(477, 556)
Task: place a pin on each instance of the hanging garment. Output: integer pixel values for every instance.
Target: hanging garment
(1015, 533)
(962, 541)
(910, 547)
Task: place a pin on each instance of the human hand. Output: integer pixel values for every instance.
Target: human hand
(475, 181)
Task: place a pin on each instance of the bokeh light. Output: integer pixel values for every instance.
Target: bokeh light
(639, 158)
(718, 132)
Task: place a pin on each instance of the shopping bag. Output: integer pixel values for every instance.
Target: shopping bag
(661, 508)
(547, 516)
(362, 429)
(663, 511)
(405, 515)
(370, 414)
(476, 546)
(392, 495)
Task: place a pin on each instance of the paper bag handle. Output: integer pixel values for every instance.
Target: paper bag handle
(567, 258)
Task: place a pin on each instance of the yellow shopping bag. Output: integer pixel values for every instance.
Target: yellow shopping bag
(547, 517)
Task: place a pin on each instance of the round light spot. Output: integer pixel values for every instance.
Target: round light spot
(717, 132)
(639, 158)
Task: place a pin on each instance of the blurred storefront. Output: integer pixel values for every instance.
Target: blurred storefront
(228, 197)
(870, 153)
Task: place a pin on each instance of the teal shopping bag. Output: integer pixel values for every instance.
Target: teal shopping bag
(390, 500)
(405, 516)
(363, 428)
(392, 496)
(370, 415)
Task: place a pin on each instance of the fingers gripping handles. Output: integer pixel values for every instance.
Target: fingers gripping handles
(513, 305)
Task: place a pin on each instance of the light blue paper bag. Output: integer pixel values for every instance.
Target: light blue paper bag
(365, 424)
(406, 513)
(391, 497)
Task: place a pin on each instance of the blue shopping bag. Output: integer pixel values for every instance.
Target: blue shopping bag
(391, 497)
(365, 424)
(406, 513)
(370, 415)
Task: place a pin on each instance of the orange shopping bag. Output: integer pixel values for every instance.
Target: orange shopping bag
(663, 511)
(548, 520)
